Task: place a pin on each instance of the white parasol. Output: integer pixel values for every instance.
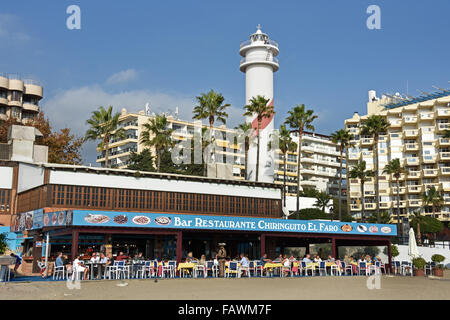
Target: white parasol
(413, 252)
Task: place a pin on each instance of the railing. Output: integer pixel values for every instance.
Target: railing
(444, 126)
(249, 42)
(262, 59)
(411, 146)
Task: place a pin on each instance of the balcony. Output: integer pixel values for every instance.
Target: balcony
(415, 203)
(442, 112)
(385, 205)
(354, 156)
(430, 172)
(427, 185)
(414, 174)
(444, 155)
(444, 141)
(402, 177)
(428, 159)
(401, 190)
(370, 206)
(415, 189)
(445, 186)
(412, 161)
(368, 154)
(410, 120)
(410, 133)
(355, 207)
(385, 191)
(396, 123)
(263, 59)
(411, 147)
(427, 130)
(445, 171)
(427, 116)
(366, 141)
(443, 126)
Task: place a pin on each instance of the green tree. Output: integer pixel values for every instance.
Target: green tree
(417, 220)
(359, 172)
(384, 217)
(309, 192)
(323, 201)
(104, 126)
(342, 138)
(245, 129)
(156, 134)
(141, 161)
(447, 134)
(298, 120)
(374, 126)
(432, 197)
(258, 105)
(285, 143)
(210, 106)
(394, 167)
(3, 243)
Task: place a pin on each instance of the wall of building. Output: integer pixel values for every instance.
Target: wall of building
(425, 252)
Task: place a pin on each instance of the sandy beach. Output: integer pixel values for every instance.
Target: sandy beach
(304, 288)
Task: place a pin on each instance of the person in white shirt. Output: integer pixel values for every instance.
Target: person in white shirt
(245, 264)
(317, 259)
(95, 258)
(77, 267)
(103, 258)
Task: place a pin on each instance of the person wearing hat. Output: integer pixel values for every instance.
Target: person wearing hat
(222, 254)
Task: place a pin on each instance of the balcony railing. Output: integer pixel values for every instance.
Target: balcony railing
(249, 42)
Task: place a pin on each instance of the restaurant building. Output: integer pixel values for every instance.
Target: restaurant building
(85, 209)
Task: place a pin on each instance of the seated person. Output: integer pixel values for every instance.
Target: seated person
(202, 260)
(103, 259)
(279, 259)
(94, 258)
(18, 261)
(362, 259)
(330, 259)
(216, 261)
(78, 267)
(59, 260)
(317, 259)
(307, 258)
(264, 259)
(121, 256)
(138, 258)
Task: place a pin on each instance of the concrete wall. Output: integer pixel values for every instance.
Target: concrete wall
(144, 183)
(305, 203)
(30, 176)
(6, 175)
(425, 252)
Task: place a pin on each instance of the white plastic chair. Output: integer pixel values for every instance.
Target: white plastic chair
(347, 267)
(258, 268)
(211, 267)
(199, 268)
(122, 271)
(59, 272)
(305, 267)
(246, 269)
(336, 269)
(322, 267)
(406, 267)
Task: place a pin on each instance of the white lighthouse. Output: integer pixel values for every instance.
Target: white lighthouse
(259, 64)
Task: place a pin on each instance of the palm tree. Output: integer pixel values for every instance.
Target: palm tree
(447, 134)
(342, 138)
(394, 167)
(285, 143)
(434, 198)
(359, 172)
(417, 219)
(156, 134)
(323, 201)
(210, 106)
(298, 120)
(104, 126)
(258, 105)
(245, 129)
(374, 126)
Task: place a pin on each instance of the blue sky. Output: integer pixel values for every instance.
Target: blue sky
(128, 53)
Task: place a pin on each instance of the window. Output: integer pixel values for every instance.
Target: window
(16, 95)
(5, 195)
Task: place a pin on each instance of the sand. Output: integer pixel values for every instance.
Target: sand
(304, 288)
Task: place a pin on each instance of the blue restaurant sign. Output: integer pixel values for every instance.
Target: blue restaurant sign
(203, 222)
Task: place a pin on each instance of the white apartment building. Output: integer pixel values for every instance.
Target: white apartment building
(19, 98)
(416, 137)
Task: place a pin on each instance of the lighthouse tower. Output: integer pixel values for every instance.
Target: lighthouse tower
(259, 64)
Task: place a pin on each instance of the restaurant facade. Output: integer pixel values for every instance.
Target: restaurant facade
(81, 209)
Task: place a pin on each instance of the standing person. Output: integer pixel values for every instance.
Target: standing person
(18, 261)
(222, 255)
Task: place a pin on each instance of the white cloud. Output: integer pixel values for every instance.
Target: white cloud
(11, 30)
(71, 108)
(122, 76)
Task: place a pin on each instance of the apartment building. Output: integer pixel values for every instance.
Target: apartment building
(320, 157)
(416, 137)
(120, 150)
(319, 165)
(19, 98)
